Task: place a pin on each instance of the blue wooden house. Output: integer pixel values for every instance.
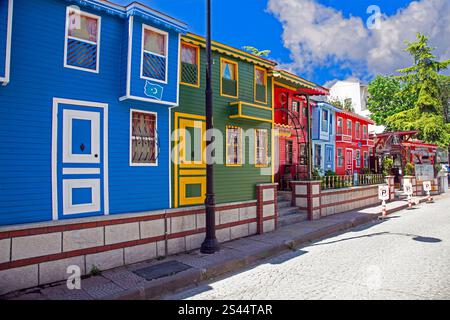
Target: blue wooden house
(324, 137)
(86, 87)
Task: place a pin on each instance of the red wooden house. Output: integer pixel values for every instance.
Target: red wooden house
(291, 96)
(353, 144)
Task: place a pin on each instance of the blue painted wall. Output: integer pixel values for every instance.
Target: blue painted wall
(326, 139)
(3, 33)
(37, 76)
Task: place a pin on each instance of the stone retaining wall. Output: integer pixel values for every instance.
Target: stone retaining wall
(37, 254)
(308, 196)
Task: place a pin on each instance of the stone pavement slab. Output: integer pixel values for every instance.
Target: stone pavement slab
(123, 283)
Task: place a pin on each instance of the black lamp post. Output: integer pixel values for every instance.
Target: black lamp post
(210, 245)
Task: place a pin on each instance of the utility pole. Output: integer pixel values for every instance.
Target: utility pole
(210, 245)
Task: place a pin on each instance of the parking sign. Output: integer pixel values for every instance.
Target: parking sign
(427, 186)
(383, 193)
(408, 189)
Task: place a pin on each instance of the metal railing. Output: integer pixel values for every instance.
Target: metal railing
(346, 181)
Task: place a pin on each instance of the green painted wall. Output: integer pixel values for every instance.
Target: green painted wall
(231, 183)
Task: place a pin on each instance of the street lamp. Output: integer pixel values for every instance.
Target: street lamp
(210, 245)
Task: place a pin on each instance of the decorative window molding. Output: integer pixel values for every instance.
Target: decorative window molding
(340, 157)
(143, 138)
(340, 126)
(261, 148)
(154, 55)
(190, 65)
(234, 146)
(366, 159)
(324, 124)
(229, 78)
(365, 135)
(82, 40)
(260, 85)
(357, 130)
(358, 158)
(349, 127)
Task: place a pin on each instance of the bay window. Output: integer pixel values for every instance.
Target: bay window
(154, 54)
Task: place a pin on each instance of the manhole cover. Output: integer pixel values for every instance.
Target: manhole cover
(162, 270)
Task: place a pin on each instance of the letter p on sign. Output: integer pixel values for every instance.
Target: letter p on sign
(383, 193)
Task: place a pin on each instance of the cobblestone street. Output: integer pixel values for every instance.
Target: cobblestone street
(404, 257)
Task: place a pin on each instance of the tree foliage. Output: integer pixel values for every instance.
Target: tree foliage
(388, 95)
(417, 96)
(256, 52)
(347, 105)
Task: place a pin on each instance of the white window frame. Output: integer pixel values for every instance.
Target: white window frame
(342, 126)
(366, 156)
(357, 159)
(351, 128)
(166, 34)
(357, 131)
(131, 138)
(327, 126)
(266, 148)
(67, 37)
(342, 156)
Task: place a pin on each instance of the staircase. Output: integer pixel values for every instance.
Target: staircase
(286, 213)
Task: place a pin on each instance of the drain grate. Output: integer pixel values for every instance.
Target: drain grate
(162, 270)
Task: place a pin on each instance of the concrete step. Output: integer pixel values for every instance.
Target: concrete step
(284, 204)
(285, 195)
(291, 219)
(287, 211)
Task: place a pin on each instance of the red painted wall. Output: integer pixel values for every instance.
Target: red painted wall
(351, 142)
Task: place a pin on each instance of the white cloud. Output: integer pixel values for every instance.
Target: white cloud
(320, 36)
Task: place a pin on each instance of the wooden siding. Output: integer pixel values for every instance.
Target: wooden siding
(231, 183)
(3, 33)
(37, 76)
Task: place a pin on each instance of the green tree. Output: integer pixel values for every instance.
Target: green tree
(347, 105)
(388, 95)
(256, 52)
(444, 90)
(426, 115)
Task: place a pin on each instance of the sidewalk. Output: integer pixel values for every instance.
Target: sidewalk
(185, 270)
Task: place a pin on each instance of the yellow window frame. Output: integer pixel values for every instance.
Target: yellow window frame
(265, 83)
(222, 61)
(197, 48)
(266, 148)
(240, 149)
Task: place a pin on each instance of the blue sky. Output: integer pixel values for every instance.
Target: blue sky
(308, 25)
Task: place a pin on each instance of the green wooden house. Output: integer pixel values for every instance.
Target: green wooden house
(243, 113)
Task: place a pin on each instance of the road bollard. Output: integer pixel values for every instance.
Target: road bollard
(383, 210)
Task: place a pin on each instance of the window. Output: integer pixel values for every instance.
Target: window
(324, 121)
(190, 65)
(234, 146)
(365, 132)
(317, 155)
(82, 43)
(229, 82)
(143, 138)
(260, 85)
(262, 147)
(340, 157)
(154, 54)
(358, 158)
(349, 127)
(357, 130)
(295, 104)
(366, 159)
(339, 126)
(289, 152)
